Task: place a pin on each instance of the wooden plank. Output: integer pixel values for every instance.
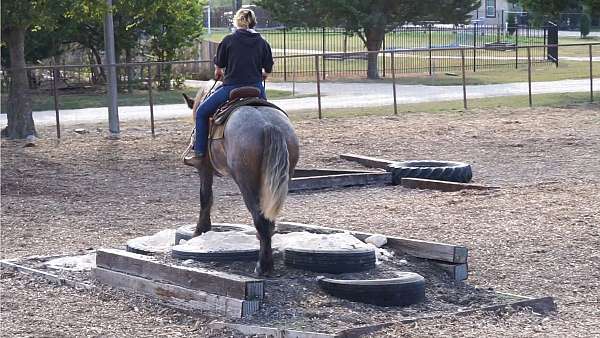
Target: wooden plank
(457, 272)
(327, 171)
(46, 275)
(414, 247)
(177, 296)
(211, 281)
(420, 183)
(542, 305)
(338, 181)
(371, 162)
(271, 332)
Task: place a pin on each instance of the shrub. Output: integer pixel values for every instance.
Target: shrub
(511, 23)
(584, 25)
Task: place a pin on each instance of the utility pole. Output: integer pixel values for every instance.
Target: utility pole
(209, 18)
(111, 84)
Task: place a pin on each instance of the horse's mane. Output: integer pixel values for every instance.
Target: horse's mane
(203, 92)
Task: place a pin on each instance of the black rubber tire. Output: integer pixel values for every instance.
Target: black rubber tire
(214, 256)
(187, 231)
(432, 170)
(330, 261)
(407, 289)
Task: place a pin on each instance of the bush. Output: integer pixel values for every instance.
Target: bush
(584, 25)
(511, 23)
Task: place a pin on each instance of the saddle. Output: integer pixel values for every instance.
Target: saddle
(243, 96)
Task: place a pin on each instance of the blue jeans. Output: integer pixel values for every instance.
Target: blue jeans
(208, 108)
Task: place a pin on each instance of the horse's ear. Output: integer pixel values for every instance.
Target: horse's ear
(190, 102)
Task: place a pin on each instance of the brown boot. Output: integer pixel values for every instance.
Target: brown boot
(194, 160)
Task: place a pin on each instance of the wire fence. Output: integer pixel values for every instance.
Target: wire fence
(492, 46)
(74, 84)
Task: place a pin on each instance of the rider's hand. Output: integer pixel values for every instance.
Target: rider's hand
(218, 73)
(264, 75)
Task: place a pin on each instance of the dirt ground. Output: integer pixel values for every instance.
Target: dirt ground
(538, 235)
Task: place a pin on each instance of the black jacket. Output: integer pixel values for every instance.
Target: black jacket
(244, 54)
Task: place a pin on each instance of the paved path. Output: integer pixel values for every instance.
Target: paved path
(335, 95)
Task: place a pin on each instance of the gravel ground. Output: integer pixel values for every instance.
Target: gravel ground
(539, 235)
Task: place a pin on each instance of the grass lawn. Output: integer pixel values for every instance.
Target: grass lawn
(540, 100)
(137, 98)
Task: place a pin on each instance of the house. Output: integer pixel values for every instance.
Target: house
(494, 12)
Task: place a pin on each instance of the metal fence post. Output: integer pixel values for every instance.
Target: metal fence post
(55, 94)
(324, 53)
(517, 48)
(383, 55)
(591, 76)
(150, 99)
(318, 84)
(429, 29)
(529, 74)
(284, 56)
(393, 80)
(475, 46)
(464, 84)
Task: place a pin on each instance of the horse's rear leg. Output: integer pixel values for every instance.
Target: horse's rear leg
(264, 227)
(264, 231)
(206, 198)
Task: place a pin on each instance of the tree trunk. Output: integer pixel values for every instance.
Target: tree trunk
(130, 73)
(20, 119)
(374, 37)
(99, 63)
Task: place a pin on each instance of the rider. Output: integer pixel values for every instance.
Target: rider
(243, 59)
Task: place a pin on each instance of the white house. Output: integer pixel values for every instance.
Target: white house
(494, 12)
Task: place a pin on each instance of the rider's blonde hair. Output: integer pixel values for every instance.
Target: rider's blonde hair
(244, 18)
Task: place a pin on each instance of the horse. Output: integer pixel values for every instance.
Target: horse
(259, 151)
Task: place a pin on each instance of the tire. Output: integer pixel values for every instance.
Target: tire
(431, 170)
(407, 289)
(187, 231)
(216, 256)
(330, 261)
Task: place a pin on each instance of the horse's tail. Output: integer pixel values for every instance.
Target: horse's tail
(276, 172)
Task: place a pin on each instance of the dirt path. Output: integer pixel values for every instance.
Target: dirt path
(538, 235)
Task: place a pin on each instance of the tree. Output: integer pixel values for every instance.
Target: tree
(584, 25)
(368, 19)
(19, 17)
(171, 25)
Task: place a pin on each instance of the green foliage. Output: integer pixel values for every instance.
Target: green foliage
(511, 23)
(584, 25)
(172, 25)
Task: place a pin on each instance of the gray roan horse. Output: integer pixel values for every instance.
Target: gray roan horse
(259, 151)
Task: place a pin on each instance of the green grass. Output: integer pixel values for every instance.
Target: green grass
(540, 100)
(137, 98)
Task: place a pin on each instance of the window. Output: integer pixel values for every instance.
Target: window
(490, 8)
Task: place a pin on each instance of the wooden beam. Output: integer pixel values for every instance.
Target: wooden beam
(43, 274)
(177, 296)
(338, 181)
(211, 281)
(542, 305)
(457, 272)
(371, 162)
(324, 172)
(420, 183)
(254, 330)
(414, 247)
